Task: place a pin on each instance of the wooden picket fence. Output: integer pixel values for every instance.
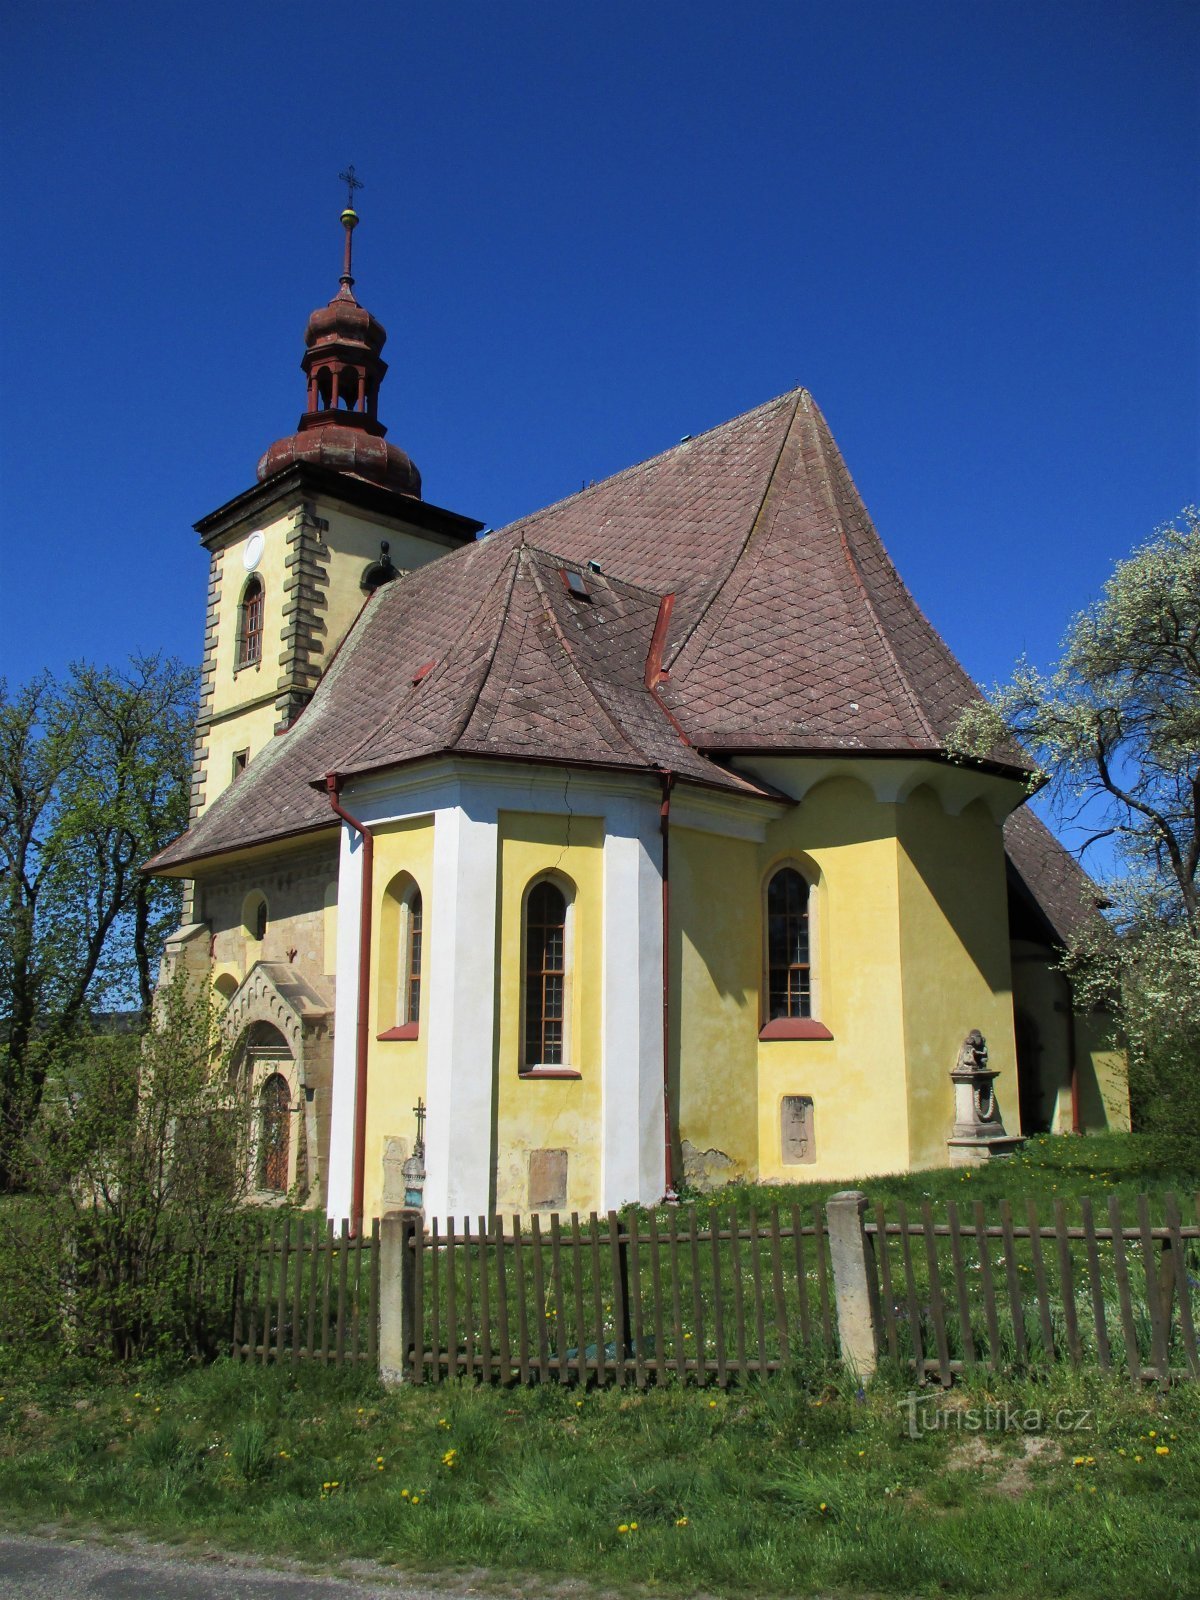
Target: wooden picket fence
(616, 1300)
(1014, 1295)
(306, 1292)
(713, 1298)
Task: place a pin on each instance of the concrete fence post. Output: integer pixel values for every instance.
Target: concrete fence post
(397, 1294)
(855, 1286)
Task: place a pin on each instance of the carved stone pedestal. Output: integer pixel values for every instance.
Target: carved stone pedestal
(978, 1134)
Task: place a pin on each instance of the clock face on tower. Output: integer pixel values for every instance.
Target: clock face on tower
(252, 554)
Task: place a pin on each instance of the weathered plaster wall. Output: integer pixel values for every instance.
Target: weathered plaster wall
(955, 962)
(550, 1113)
(295, 883)
(396, 1067)
(1040, 996)
(714, 964)
(844, 841)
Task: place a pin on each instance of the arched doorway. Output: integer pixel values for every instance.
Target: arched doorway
(264, 1075)
(274, 1134)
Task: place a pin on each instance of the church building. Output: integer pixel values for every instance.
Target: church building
(622, 840)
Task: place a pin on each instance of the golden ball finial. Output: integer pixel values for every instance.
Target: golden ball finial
(349, 218)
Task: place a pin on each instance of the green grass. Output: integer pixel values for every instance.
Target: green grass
(800, 1485)
(1051, 1166)
(797, 1486)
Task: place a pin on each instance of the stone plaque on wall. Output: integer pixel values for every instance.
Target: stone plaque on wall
(395, 1154)
(799, 1137)
(547, 1180)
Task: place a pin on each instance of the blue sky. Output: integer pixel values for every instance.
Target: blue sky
(969, 229)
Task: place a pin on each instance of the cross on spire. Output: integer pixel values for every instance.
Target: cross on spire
(351, 183)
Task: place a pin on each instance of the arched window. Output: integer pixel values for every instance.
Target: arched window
(409, 1009)
(401, 942)
(546, 1030)
(250, 624)
(789, 970)
(274, 1103)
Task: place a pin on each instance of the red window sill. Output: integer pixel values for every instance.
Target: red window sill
(549, 1072)
(795, 1028)
(407, 1031)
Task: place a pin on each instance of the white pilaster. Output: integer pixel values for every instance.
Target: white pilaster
(633, 1162)
(462, 1010)
(345, 1031)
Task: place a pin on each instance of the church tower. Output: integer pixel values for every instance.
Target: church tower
(336, 512)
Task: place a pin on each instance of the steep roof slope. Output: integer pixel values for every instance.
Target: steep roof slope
(1050, 875)
(790, 630)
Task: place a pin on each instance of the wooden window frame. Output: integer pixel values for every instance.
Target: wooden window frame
(541, 1068)
(251, 614)
(408, 991)
(801, 1023)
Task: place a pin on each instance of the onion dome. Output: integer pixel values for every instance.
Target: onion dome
(340, 429)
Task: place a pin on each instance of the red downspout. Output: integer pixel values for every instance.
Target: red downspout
(333, 787)
(664, 822)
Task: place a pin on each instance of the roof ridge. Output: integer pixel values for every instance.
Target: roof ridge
(824, 438)
(575, 667)
(718, 587)
(639, 466)
(557, 557)
(513, 562)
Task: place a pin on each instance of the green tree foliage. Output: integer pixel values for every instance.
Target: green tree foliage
(1114, 728)
(134, 1172)
(94, 774)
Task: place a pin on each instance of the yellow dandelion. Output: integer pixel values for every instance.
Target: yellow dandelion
(681, 1522)
(712, 1405)
(1162, 1449)
(622, 1527)
(415, 1501)
(379, 1460)
(1153, 1434)
(404, 1494)
(1137, 1458)
(823, 1506)
(633, 1527)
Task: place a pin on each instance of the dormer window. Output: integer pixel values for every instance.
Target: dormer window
(250, 624)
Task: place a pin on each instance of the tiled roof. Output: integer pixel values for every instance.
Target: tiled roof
(1050, 874)
(791, 630)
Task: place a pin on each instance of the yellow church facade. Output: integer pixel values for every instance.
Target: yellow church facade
(623, 842)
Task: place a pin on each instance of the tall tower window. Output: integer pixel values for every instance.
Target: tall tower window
(250, 624)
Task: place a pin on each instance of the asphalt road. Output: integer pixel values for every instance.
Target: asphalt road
(63, 1569)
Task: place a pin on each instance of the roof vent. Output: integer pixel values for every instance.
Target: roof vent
(593, 565)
